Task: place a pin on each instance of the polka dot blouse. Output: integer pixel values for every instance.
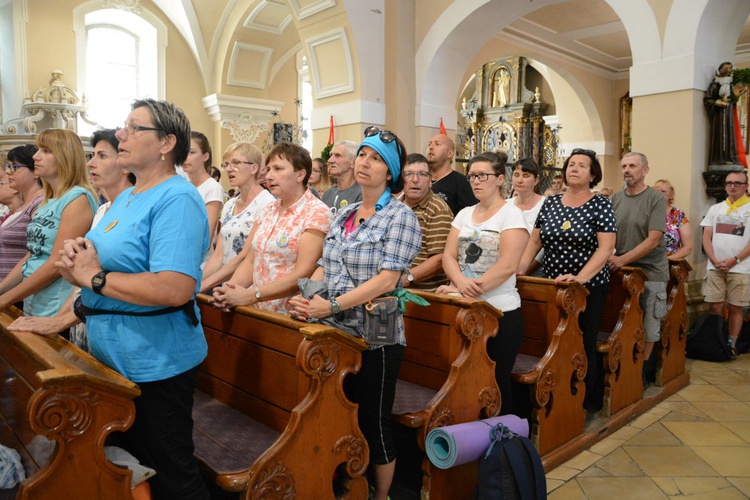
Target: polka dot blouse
(569, 235)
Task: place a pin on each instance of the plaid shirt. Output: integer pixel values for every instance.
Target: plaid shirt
(389, 240)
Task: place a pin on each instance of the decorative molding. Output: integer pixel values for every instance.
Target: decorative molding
(357, 111)
(316, 65)
(132, 6)
(245, 118)
(262, 72)
(312, 9)
(264, 7)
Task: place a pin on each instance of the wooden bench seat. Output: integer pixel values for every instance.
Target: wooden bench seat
(58, 399)
(271, 417)
(622, 340)
(551, 363)
(670, 350)
(447, 378)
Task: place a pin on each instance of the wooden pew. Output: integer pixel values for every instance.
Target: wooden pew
(447, 378)
(552, 362)
(58, 398)
(622, 340)
(670, 351)
(271, 417)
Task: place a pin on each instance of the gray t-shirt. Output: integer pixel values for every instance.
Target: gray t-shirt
(338, 199)
(636, 216)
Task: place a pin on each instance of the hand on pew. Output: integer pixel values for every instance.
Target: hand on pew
(230, 295)
(568, 278)
(42, 326)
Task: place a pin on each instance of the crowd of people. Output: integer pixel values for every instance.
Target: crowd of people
(368, 221)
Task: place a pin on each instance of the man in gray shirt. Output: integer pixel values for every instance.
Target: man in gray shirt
(641, 224)
(341, 167)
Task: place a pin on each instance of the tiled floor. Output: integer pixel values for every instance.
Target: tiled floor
(694, 445)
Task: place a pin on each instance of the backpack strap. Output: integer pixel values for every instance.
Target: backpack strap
(540, 481)
(518, 466)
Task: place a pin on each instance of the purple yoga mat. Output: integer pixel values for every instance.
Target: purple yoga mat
(463, 443)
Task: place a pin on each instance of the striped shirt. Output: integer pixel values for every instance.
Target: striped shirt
(435, 217)
(13, 238)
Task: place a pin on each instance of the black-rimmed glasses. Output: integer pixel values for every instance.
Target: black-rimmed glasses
(12, 167)
(131, 129)
(734, 184)
(480, 177)
(385, 135)
(420, 175)
(234, 164)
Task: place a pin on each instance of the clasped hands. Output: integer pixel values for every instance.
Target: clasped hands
(79, 262)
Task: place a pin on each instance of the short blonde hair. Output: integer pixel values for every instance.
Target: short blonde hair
(249, 151)
(664, 182)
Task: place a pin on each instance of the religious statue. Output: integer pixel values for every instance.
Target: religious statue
(719, 102)
(500, 88)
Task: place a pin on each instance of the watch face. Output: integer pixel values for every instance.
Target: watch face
(97, 281)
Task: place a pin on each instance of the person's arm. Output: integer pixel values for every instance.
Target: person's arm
(213, 210)
(384, 282)
(232, 295)
(15, 276)
(65, 318)
(425, 270)
(708, 245)
(532, 249)
(214, 262)
(597, 261)
(75, 221)
(686, 243)
(640, 250)
(513, 242)
(227, 271)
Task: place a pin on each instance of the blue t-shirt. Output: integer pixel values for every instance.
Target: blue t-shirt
(40, 238)
(164, 228)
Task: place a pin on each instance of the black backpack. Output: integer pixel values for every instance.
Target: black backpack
(708, 339)
(511, 468)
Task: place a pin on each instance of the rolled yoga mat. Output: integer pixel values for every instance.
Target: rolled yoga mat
(463, 443)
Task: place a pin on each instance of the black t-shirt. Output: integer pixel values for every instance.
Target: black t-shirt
(456, 191)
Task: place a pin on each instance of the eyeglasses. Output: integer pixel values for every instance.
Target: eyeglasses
(234, 164)
(132, 129)
(579, 151)
(734, 184)
(385, 135)
(421, 175)
(12, 167)
(3, 183)
(480, 177)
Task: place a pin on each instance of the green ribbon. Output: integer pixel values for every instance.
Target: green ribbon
(405, 296)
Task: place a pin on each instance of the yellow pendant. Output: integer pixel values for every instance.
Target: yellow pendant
(111, 225)
(566, 225)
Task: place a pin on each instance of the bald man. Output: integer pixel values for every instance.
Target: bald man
(448, 184)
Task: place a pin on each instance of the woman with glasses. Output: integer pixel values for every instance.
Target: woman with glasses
(242, 164)
(481, 258)
(319, 176)
(577, 231)
(679, 233)
(22, 193)
(197, 166)
(66, 212)
(371, 245)
(286, 240)
(139, 270)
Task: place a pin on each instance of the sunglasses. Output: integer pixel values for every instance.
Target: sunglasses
(385, 135)
(579, 151)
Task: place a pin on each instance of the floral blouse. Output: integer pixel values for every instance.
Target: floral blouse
(676, 218)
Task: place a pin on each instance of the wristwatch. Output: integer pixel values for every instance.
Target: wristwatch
(737, 258)
(98, 281)
(257, 293)
(410, 278)
(335, 306)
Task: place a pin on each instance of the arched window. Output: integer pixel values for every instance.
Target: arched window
(120, 57)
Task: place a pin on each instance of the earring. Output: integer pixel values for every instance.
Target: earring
(162, 158)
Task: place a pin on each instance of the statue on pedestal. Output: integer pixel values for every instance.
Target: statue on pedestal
(719, 102)
(500, 88)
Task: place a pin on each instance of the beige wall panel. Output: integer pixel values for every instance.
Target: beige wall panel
(209, 13)
(50, 42)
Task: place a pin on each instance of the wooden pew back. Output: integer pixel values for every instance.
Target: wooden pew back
(288, 377)
(671, 349)
(54, 391)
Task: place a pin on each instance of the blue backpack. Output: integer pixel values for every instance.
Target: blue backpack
(511, 468)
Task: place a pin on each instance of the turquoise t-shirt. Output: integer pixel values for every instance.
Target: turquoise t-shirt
(164, 228)
(40, 238)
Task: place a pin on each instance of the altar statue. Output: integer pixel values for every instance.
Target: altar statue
(720, 105)
(500, 88)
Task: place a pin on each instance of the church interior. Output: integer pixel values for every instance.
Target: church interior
(534, 78)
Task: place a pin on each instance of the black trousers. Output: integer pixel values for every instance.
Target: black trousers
(590, 321)
(502, 349)
(162, 437)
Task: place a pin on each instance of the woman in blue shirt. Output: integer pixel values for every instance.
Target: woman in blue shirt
(139, 270)
(369, 247)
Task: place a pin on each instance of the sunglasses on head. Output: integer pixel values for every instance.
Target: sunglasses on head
(385, 135)
(579, 151)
